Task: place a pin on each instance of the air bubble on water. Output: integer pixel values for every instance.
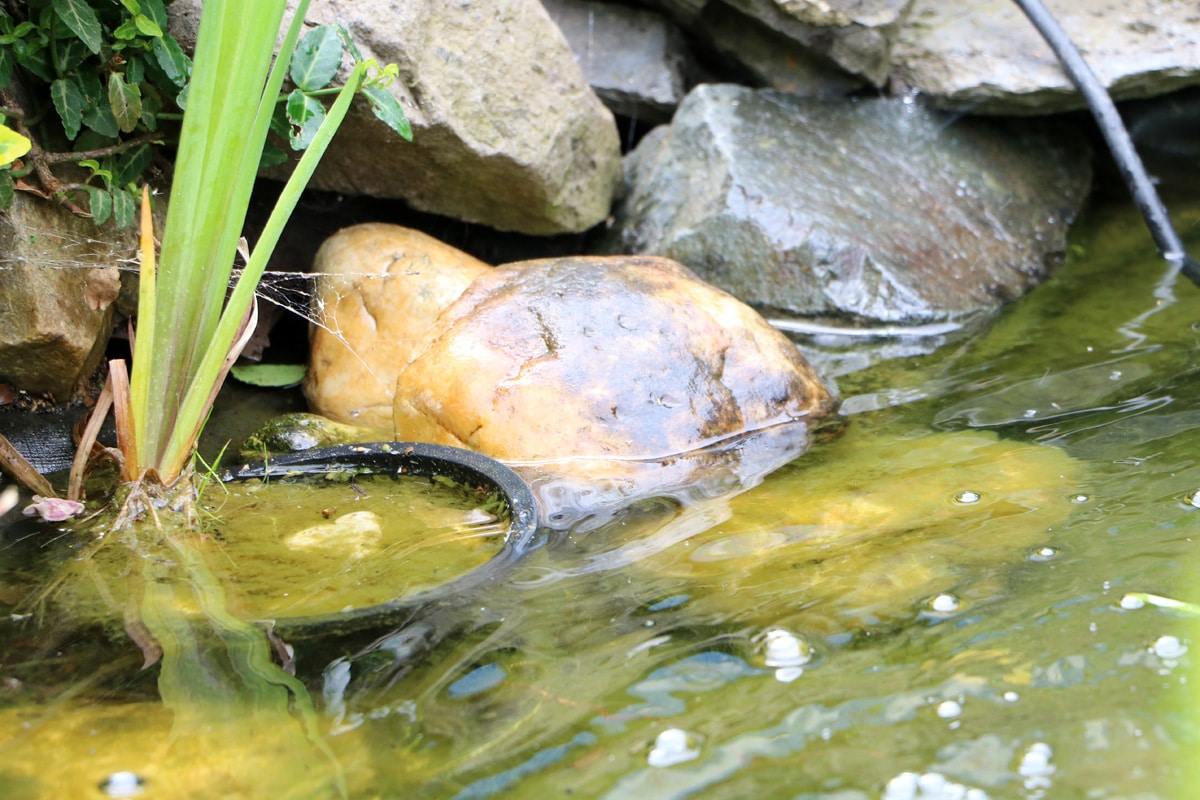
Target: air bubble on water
(673, 746)
(782, 648)
(123, 784)
(966, 497)
(949, 709)
(1131, 602)
(1011, 696)
(1169, 648)
(944, 604)
(1035, 767)
(1030, 413)
(1079, 499)
(929, 786)
(1044, 553)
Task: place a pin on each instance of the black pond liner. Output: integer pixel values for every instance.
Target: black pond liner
(409, 459)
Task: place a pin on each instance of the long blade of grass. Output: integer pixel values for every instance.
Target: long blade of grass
(197, 403)
(213, 181)
(91, 432)
(22, 471)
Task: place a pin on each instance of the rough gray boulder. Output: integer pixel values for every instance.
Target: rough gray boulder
(984, 56)
(58, 284)
(875, 210)
(855, 34)
(506, 131)
(635, 60)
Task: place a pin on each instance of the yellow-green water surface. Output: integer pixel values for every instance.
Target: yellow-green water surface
(929, 606)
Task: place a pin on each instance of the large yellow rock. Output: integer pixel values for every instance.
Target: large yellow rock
(602, 379)
(380, 290)
(605, 357)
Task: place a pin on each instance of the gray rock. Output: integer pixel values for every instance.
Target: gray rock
(769, 58)
(877, 210)
(635, 60)
(506, 131)
(984, 56)
(855, 34)
(58, 284)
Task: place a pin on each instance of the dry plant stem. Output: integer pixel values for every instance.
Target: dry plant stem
(15, 464)
(118, 378)
(91, 432)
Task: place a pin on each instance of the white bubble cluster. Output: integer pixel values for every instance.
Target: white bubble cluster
(929, 786)
(1035, 769)
(673, 746)
(787, 652)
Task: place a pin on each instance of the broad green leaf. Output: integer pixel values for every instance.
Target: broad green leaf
(12, 145)
(172, 60)
(273, 376)
(6, 66)
(147, 26)
(388, 109)
(126, 102)
(100, 118)
(135, 69)
(130, 165)
(317, 59)
(128, 31)
(69, 54)
(6, 189)
(81, 19)
(100, 203)
(124, 208)
(132, 6)
(306, 115)
(32, 56)
(69, 102)
(272, 156)
(155, 10)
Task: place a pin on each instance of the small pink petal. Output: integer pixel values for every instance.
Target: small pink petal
(53, 509)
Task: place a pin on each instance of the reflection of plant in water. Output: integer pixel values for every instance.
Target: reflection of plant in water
(190, 329)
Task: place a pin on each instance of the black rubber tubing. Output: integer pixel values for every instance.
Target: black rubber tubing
(1119, 144)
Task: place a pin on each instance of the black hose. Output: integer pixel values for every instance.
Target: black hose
(1119, 144)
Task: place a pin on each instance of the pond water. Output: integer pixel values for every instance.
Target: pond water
(930, 605)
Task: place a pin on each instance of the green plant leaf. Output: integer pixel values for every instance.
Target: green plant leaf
(32, 56)
(306, 115)
(12, 145)
(135, 70)
(317, 59)
(100, 203)
(127, 32)
(273, 376)
(6, 189)
(387, 108)
(172, 60)
(132, 6)
(147, 26)
(131, 164)
(124, 208)
(81, 19)
(272, 156)
(6, 66)
(126, 102)
(68, 55)
(157, 11)
(69, 102)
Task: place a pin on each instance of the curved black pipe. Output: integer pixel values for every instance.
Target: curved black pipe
(1119, 144)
